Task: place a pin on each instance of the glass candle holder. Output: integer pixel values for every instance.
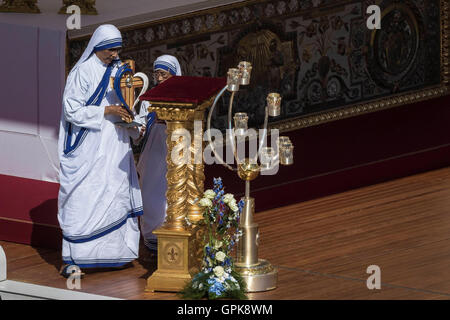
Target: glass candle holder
(274, 104)
(282, 140)
(245, 69)
(287, 153)
(240, 123)
(233, 79)
(266, 156)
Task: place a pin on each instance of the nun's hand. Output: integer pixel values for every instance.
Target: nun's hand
(118, 111)
(142, 132)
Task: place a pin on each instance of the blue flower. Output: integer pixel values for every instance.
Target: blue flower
(219, 194)
(241, 204)
(215, 287)
(217, 181)
(218, 184)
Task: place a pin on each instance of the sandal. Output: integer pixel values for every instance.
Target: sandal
(75, 271)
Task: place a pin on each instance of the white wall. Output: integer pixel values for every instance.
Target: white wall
(32, 64)
(31, 85)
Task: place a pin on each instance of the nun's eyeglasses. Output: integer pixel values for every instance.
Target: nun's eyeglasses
(118, 50)
(161, 74)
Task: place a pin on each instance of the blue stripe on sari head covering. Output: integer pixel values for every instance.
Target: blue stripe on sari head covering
(107, 44)
(165, 67)
(107, 36)
(168, 63)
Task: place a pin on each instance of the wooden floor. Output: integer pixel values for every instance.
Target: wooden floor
(322, 248)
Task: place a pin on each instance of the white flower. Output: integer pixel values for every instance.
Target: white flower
(220, 256)
(218, 244)
(233, 206)
(209, 262)
(200, 286)
(205, 202)
(228, 197)
(218, 271)
(209, 194)
(223, 277)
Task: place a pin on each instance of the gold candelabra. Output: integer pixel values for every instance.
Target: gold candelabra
(259, 274)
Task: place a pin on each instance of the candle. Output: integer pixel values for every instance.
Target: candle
(274, 104)
(266, 156)
(245, 68)
(286, 153)
(233, 79)
(240, 123)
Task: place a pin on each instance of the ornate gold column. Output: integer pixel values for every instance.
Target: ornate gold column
(195, 169)
(177, 176)
(179, 245)
(180, 101)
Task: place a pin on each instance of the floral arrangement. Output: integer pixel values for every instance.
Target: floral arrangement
(217, 279)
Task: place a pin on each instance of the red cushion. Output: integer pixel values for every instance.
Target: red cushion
(184, 89)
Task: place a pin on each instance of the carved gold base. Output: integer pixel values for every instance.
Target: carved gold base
(168, 282)
(177, 262)
(260, 277)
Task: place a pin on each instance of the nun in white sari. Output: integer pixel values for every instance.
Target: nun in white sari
(152, 167)
(99, 198)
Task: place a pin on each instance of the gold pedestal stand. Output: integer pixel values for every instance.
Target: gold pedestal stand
(180, 246)
(259, 274)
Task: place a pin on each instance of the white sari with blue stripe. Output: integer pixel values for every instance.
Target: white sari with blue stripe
(99, 198)
(152, 166)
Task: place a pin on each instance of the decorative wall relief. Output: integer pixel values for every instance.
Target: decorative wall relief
(86, 6)
(319, 55)
(19, 6)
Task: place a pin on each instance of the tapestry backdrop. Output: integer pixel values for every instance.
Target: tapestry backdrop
(318, 54)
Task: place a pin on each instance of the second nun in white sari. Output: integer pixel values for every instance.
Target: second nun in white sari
(152, 166)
